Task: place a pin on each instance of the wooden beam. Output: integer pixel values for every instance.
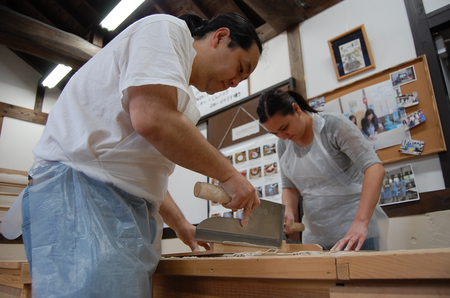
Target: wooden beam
(27, 35)
(278, 16)
(20, 113)
(213, 8)
(265, 32)
(40, 93)
(313, 7)
(179, 7)
(60, 16)
(296, 59)
(26, 8)
(424, 44)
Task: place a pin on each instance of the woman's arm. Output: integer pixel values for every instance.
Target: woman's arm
(356, 235)
(290, 198)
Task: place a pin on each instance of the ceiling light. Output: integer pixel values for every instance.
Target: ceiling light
(56, 75)
(120, 13)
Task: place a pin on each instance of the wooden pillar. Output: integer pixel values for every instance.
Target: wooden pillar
(296, 59)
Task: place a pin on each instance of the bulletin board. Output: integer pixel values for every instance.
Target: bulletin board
(430, 131)
(221, 124)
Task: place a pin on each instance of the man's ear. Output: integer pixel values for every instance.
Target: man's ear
(221, 35)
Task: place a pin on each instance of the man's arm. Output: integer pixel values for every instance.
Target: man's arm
(154, 115)
(175, 219)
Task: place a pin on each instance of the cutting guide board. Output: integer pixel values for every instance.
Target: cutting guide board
(218, 249)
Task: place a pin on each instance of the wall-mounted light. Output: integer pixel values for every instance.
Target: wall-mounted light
(56, 75)
(122, 10)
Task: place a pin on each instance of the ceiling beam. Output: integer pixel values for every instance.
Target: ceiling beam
(278, 16)
(60, 17)
(265, 32)
(27, 35)
(21, 113)
(179, 7)
(313, 7)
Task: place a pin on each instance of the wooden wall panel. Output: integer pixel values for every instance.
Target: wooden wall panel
(221, 124)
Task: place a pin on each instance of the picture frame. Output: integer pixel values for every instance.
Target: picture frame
(351, 53)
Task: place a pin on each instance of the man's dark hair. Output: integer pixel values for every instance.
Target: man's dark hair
(242, 32)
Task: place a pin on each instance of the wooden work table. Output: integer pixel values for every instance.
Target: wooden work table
(424, 273)
(394, 274)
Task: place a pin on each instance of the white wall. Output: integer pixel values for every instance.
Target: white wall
(387, 28)
(274, 65)
(390, 38)
(432, 5)
(18, 81)
(18, 86)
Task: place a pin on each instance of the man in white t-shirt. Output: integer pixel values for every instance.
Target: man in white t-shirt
(91, 223)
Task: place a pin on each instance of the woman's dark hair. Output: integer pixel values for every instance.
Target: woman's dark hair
(242, 32)
(365, 123)
(353, 119)
(280, 102)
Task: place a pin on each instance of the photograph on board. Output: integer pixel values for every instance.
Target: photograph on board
(413, 119)
(399, 186)
(403, 76)
(412, 147)
(374, 110)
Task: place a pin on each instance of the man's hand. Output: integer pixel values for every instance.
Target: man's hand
(174, 218)
(187, 235)
(243, 196)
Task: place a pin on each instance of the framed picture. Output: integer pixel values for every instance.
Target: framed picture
(351, 53)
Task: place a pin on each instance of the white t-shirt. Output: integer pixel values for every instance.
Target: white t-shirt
(89, 127)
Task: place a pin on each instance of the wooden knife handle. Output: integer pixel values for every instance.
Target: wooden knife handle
(211, 192)
(298, 227)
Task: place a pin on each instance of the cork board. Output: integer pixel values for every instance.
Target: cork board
(429, 131)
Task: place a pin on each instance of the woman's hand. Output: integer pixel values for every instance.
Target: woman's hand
(290, 198)
(370, 194)
(354, 239)
(289, 219)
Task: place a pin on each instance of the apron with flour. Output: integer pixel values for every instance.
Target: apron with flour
(330, 196)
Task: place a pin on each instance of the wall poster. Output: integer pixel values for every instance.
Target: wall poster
(208, 103)
(257, 160)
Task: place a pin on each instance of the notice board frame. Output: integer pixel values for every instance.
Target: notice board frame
(430, 131)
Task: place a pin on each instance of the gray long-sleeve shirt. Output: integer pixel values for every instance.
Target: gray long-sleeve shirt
(344, 142)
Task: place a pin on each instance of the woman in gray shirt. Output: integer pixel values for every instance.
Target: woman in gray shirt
(325, 159)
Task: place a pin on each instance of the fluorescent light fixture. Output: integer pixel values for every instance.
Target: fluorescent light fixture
(56, 75)
(120, 13)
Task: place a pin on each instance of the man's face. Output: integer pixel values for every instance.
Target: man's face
(222, 67)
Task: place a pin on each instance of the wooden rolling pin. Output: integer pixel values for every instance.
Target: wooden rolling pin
(215, 193)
